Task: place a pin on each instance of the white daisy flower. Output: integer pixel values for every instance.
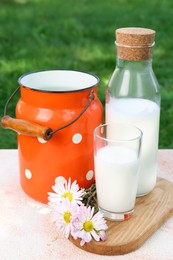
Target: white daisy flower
(66, 190)
(87, 226)
(63, 215)
(72, 217)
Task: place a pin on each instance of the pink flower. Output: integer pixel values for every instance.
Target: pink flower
(72, 217)
(63, 215)
(86, 226)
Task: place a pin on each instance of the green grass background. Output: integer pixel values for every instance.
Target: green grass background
(79, 34)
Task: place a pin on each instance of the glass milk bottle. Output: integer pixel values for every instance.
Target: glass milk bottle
(133, 97)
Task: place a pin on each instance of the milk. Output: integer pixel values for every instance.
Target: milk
(116, 173)
(145, 115)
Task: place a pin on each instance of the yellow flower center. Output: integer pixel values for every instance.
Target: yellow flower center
(88, 226)
(68, 195)
(67, 216)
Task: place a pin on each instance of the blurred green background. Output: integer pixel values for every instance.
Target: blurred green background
(80, 34)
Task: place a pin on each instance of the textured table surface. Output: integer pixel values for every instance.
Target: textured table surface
(26, 232)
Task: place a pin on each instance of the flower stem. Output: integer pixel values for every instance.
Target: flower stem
(90, 197)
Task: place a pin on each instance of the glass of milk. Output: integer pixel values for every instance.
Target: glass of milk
(116, 158)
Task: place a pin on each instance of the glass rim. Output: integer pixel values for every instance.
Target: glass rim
(139, 136)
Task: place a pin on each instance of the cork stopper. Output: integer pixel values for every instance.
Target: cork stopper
(134, 43)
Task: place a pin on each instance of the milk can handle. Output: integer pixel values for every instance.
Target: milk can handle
(32, 129)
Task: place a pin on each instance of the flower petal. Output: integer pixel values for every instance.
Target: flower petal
(95, 235)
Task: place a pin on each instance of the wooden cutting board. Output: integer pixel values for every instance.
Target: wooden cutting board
(151, 211)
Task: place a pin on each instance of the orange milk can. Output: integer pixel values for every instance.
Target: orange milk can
(55, 118)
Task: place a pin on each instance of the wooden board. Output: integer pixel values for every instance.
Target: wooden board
(151, 211)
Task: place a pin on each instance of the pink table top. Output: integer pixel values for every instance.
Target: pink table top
(26, 232)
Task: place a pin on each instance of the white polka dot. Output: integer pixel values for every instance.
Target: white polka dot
(28, 174)
(89, 175)
(60, 179)
(77, 138)
(41, 140)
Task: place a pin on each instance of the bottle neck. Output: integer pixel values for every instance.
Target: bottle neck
(134, 64)
(134, 56)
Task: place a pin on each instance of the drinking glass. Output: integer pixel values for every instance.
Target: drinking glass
(117, 159)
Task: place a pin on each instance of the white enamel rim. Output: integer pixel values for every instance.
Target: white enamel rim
(59, 80)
